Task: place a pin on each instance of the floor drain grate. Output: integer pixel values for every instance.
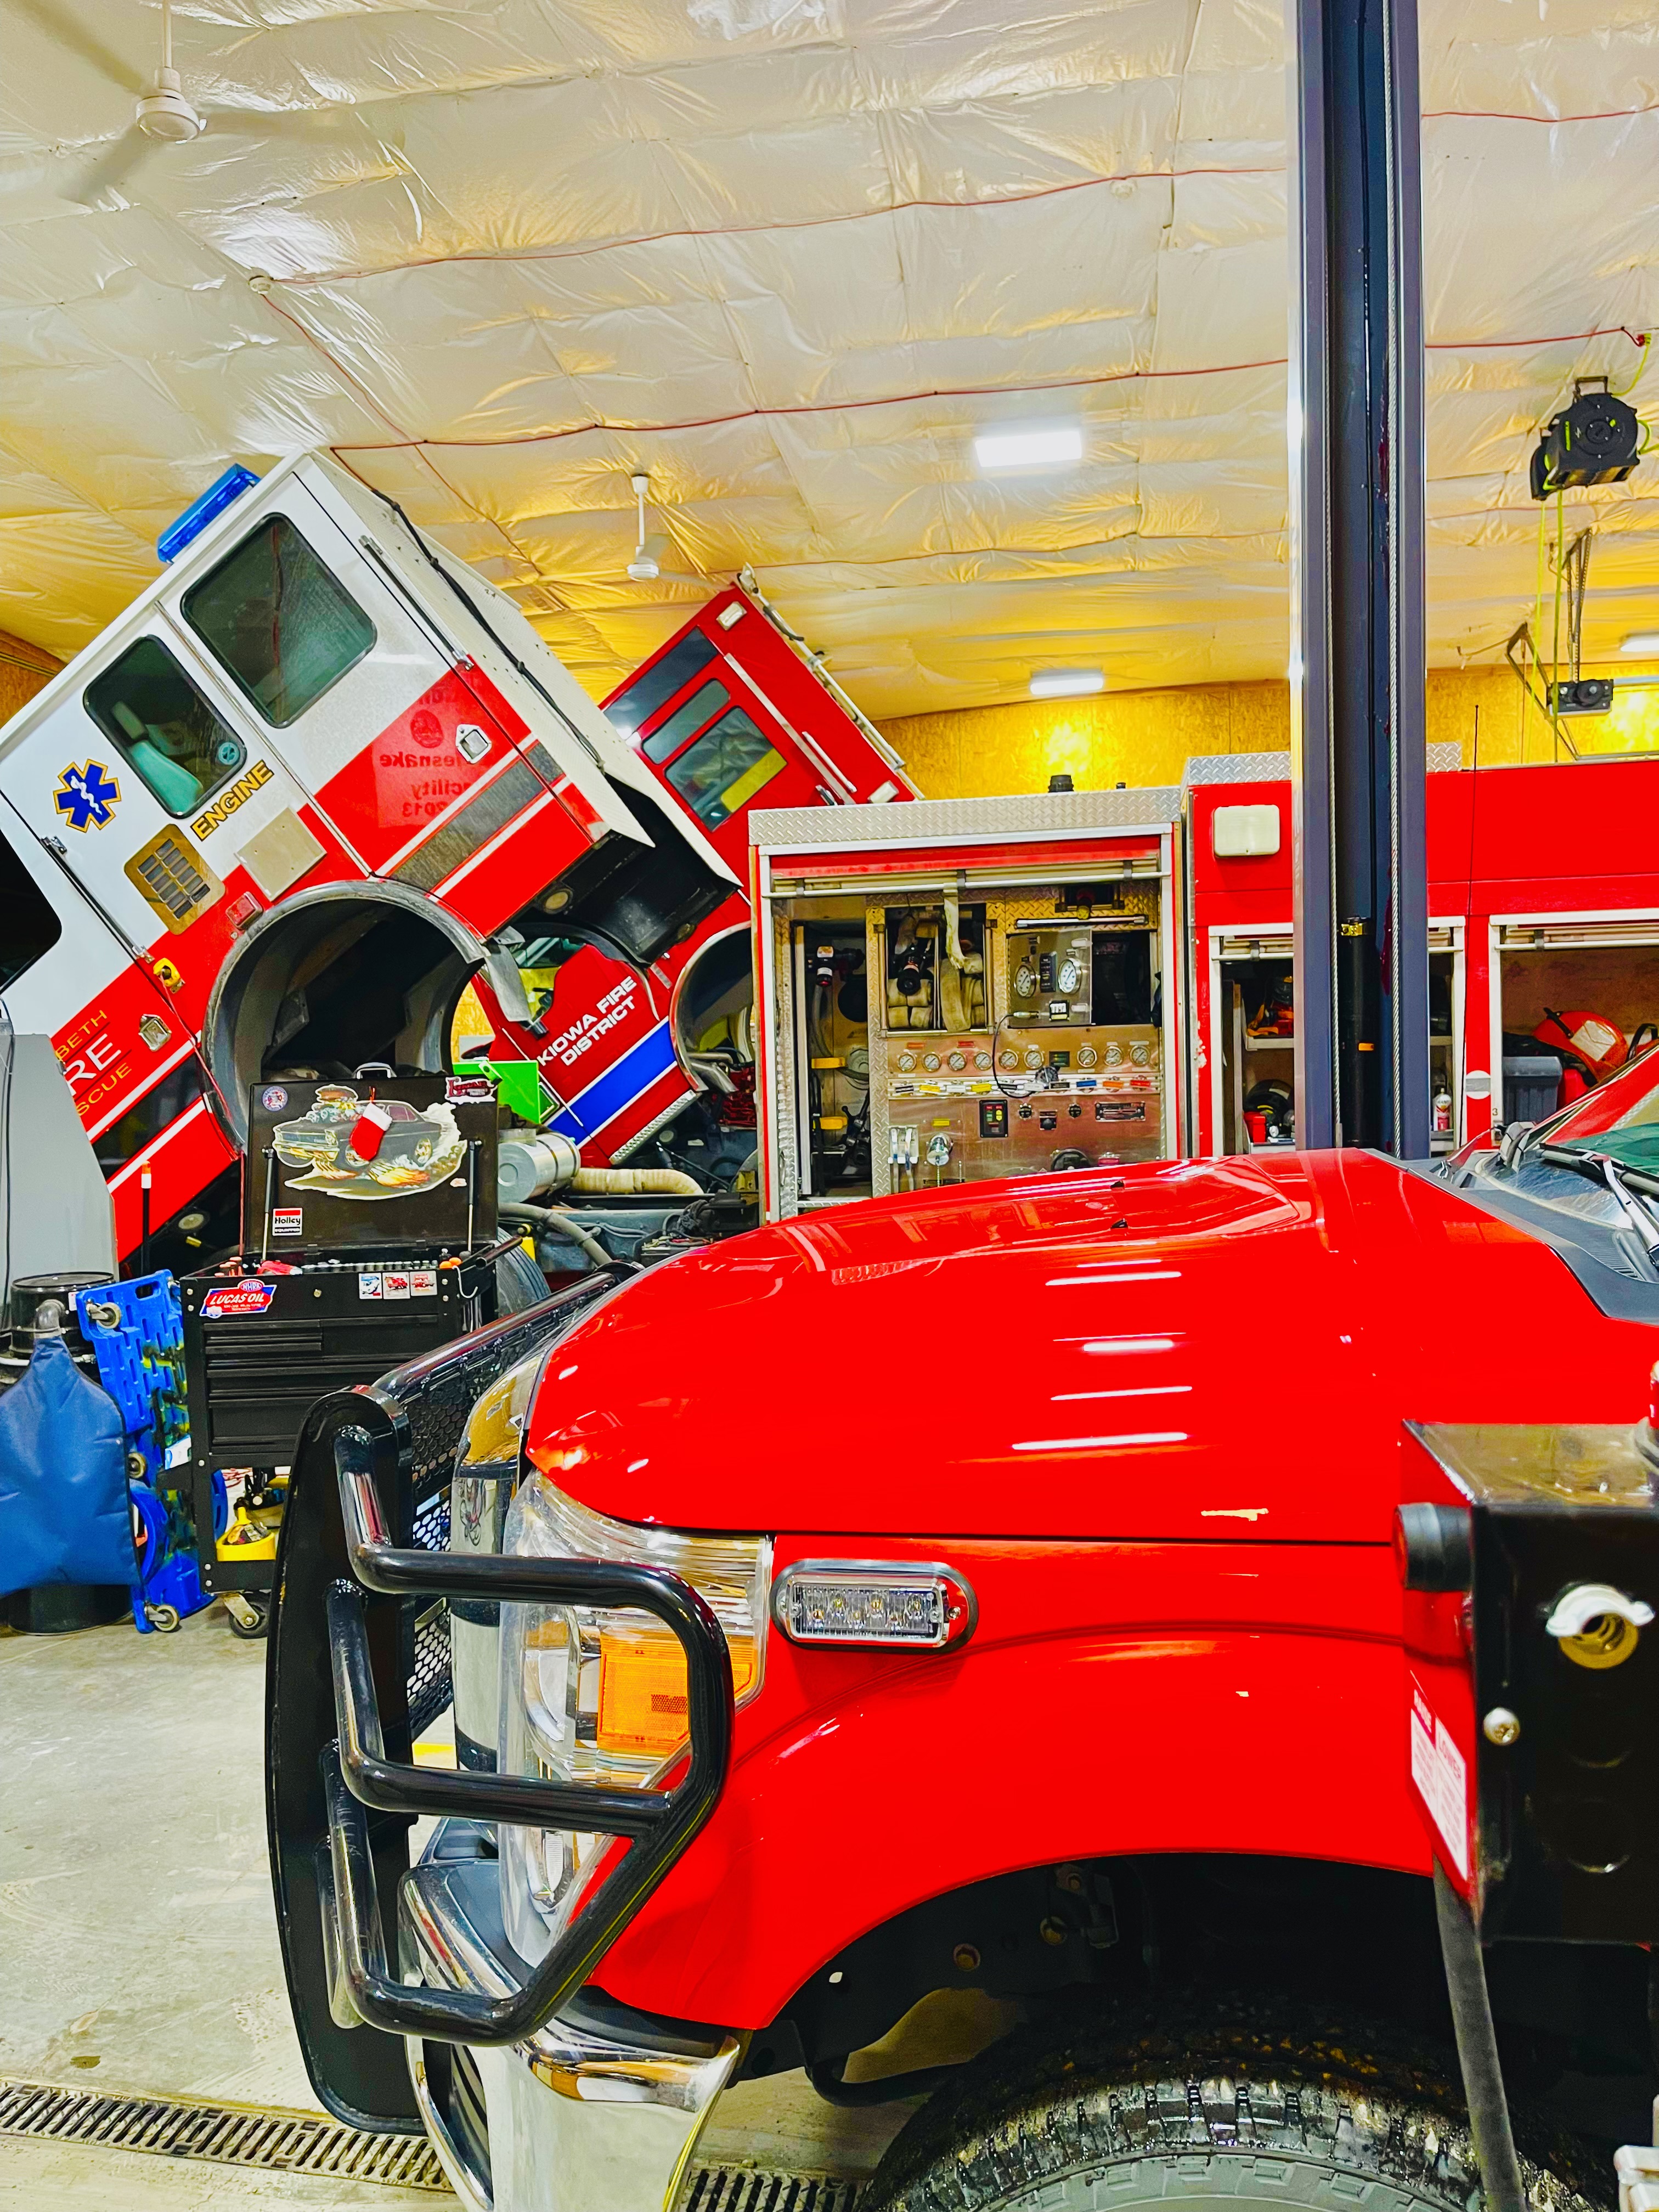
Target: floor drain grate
(229, 2135)
(757, 2189)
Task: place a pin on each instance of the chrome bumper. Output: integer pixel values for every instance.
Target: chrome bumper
(579, 2120)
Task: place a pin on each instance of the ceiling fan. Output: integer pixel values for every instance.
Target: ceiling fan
(649, 553)
(164, 114)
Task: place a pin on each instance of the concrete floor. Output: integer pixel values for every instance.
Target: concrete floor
(138, 1949)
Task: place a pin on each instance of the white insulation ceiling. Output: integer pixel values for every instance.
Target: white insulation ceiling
(789, 256)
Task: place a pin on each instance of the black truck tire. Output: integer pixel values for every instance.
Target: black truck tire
(1220, 2109)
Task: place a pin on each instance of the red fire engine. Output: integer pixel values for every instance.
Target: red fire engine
(1543, 902)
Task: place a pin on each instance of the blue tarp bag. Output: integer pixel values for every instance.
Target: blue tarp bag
(64, 1512)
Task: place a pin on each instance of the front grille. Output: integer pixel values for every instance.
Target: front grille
(226, 2134)
(435, 1393)
(759, 2189)
(174, 878)
(429, 1688)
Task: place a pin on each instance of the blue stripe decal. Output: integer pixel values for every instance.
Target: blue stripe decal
(620, 1085)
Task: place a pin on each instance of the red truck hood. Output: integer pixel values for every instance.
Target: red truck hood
(1217, 1348)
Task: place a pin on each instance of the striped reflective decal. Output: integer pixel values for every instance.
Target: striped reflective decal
(619, 1086)
(475, 824)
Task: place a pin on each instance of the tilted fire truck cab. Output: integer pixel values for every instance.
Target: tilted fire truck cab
(322, 774)
(1029, 1677)
(285, 806)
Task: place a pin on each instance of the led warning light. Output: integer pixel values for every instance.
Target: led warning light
(221, 493)
(917, 1608)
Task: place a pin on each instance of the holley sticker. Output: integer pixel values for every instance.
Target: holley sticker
(231, 1301)
(287, 1221)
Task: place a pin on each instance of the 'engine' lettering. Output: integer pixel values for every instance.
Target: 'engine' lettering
(227, 801)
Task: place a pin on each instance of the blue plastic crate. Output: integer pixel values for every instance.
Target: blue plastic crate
(169, 1572)
(136, 1331)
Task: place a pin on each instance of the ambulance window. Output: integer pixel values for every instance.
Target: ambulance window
(654, 685)
(281, 624)
(725, 768)
(163, 726)
(29, 921)
(701, 707)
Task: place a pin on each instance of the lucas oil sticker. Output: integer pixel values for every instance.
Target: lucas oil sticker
(1440, 1775)
(235, 1301)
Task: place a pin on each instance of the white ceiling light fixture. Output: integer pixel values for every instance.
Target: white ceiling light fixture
(1000, 451)
(1067, 683)
(645, 566)
(653, 555)
(1641, 641)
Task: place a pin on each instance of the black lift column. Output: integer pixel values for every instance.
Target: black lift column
(1357, 642)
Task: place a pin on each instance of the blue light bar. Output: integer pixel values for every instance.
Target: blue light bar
(197, 516)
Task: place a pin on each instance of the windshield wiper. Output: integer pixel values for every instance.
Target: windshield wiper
(1624, 1182)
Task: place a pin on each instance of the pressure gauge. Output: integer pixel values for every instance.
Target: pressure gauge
(1025, 981)
(982, 1060)
(1086, 1055)
(930, 1061)
(958, 1060)
(907, 1060)
(1034, 1058)
(1071, 975)
(1008, 1060)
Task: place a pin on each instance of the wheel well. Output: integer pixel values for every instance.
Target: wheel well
(330, 981)
(1083, 1932)
(718, 980)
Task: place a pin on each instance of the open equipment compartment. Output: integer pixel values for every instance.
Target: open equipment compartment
(1243, 1029)
(979, 989)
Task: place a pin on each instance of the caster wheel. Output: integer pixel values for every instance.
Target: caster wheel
(164, 1619)
(253, 1619)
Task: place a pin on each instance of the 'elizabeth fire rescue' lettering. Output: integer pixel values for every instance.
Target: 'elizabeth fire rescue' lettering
(227, 801)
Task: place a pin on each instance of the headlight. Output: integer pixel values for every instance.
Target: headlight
(600, 1696)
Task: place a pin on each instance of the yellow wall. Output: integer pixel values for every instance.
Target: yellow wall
(1147, 736)
(24, 669)
(1138, 737)
(1513, 729)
